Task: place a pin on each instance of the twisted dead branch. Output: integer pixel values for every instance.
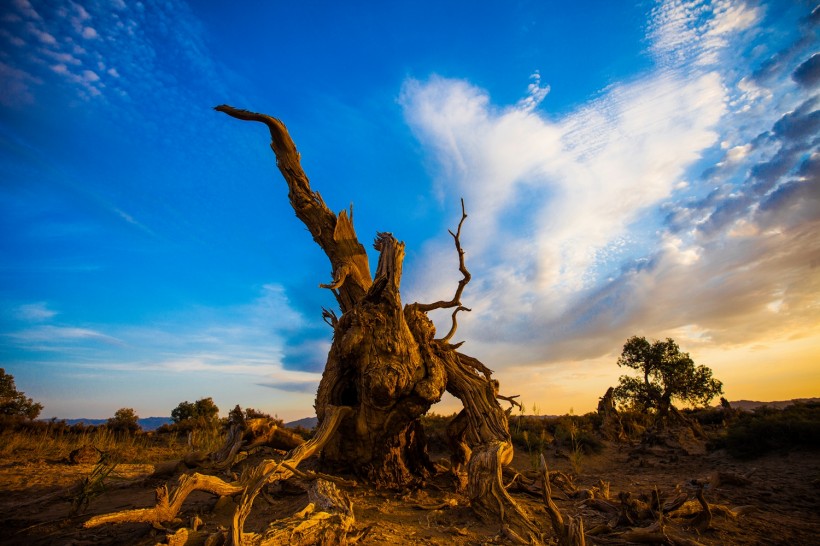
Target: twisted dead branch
(465, 279)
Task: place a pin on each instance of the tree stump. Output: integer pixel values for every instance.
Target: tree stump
(386, 363)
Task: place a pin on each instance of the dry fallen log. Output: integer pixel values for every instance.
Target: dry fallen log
(169, 504)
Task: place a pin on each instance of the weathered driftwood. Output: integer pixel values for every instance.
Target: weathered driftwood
(244, 435)
(169, 503)
(387, 364)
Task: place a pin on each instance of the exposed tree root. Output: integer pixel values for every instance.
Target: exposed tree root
(486, 440)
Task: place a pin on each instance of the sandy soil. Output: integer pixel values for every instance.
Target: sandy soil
(781, 500)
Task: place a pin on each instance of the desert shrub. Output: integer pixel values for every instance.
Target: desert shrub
(251, 413)
(706, 416)
(577, 433)
(532, 432)
(568, 432)
(200, 414)
(636, 422)
(14, 402)
(592, 420)
(191, 424)
(768, 429)
(588, 443)
(55, 442)
(206, 439)
(125, 421)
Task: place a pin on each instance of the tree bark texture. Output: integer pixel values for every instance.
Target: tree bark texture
(386, 363)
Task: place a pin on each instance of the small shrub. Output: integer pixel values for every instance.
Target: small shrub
(706, 416)
(125, 421)
(588, 443)
(635, 423)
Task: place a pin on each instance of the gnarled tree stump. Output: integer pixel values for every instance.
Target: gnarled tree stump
(386, 363)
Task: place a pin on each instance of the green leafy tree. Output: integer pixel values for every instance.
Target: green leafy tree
(666, 374)
(203, 412)
(124, 420)
(15, 403)
(183, 412)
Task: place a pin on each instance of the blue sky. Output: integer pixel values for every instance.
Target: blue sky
(644, 168)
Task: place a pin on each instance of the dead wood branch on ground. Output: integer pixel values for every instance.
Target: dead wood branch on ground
(569, 530)
(250, 483)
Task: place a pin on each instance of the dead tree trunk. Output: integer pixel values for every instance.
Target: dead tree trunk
(386, 363)
(611, 425)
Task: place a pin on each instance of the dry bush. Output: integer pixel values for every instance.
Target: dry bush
(56, 442)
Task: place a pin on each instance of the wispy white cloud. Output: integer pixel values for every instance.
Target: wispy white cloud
(105, 53)
(26, 9)
(697, 32)
(15, 85)
(41, 337)
(601, 224)
(248, 340)
(133, 221)
(306, 387)
(577, 184)
(35, 312)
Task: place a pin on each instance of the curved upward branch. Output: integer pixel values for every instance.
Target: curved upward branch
(336, 236)
(456, 301)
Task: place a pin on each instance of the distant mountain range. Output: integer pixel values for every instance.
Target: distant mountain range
(153, 423)
(147, 424)
(749, 405)
(307, 422)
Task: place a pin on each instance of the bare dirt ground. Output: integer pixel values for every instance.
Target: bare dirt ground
(779, 501)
